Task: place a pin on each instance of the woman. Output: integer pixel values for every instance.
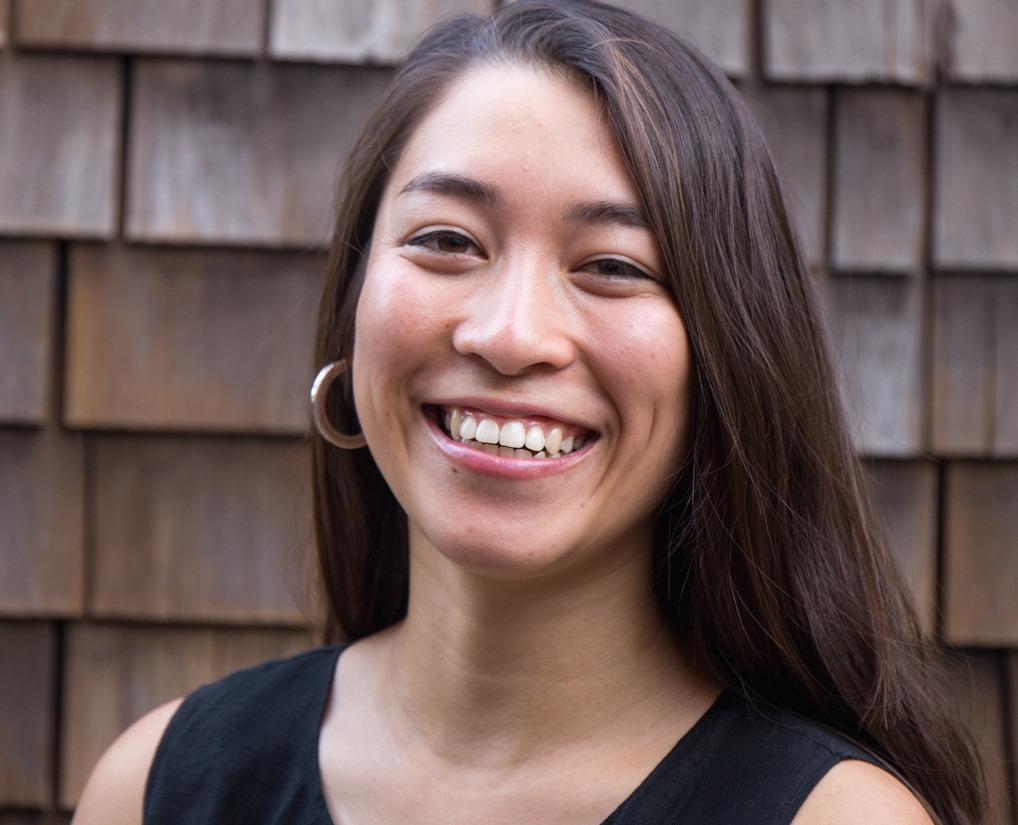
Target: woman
(607, 557)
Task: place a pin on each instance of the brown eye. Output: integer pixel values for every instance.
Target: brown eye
(445, 242)
(614, 269)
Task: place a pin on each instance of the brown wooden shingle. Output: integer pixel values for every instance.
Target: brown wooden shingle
(830, 40)
(962, 365)
(59, 144)
(880, 181)
(357, 31)
(190, 339)
(27, 691)
(226, 27)
(115, 674)
(795, 123)
(27, 326)
(980, 562)
(1005, 373)
(200, 529)
(906, 495)
(240, 153)
(719, 28)
(982, 41)
(975, 366)
(875, 328)
(976, 179)
(41, 523)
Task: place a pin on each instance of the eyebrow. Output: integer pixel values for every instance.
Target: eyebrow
(456, 186)
(607, 213)
(598, 213)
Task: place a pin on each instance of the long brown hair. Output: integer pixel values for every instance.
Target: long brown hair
(768, 561)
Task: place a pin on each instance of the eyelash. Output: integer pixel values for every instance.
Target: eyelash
(617, 269)
(435, 235)
(622, 270)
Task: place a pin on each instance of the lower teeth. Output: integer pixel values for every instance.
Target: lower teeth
(506, 452)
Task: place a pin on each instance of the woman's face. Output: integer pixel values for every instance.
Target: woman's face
(520, 370)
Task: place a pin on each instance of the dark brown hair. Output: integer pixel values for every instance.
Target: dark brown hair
(768, 561)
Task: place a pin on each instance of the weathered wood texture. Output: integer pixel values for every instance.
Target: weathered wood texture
(981, 40)
(200, 529)
(795, 123)
(906, 495)
(27, 694)
(976, 203)
(830, 40)
(28, 303)
(719, 28)
(980, 558)
(880, 181)
(975, 681)
(1005, 374)
(357, 31)
(189, 339)
(961, 383)
(974, 381)
(226, 27)
(59, 144)
(240, 153)
(42, 523)
(875, 333)
(115, 674)
(5, 12)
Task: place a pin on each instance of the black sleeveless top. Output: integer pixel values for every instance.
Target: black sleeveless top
(245, 750)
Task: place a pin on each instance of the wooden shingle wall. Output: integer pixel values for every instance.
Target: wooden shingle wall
(166, 173)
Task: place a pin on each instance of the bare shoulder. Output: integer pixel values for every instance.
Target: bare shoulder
(115, 792)
(858, 793)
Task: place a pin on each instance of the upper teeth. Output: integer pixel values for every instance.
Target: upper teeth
(513, 437)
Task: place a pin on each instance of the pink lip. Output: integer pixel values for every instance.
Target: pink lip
(507, 409)
(518, 469)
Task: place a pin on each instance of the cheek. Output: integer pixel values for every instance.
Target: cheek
(395, 315)
(651, 351)
(651, 365)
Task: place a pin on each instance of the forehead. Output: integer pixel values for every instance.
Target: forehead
(527, 118)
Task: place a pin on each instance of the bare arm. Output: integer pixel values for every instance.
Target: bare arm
(858, 793)
(115, 792)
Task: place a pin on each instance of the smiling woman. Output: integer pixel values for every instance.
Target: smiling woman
(515, 290)
(607, 555)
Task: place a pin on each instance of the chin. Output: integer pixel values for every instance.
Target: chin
(496, 552)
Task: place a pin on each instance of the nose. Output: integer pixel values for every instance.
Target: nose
(518, 320)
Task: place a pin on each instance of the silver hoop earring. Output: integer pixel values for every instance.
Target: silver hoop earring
(319, 393)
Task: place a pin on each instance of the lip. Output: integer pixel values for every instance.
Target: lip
(508, 409)
(479, 461)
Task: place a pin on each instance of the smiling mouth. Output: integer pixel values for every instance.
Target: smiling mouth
(512, 437)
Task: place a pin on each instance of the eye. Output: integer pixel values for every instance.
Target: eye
(615, 269)
(445, 242)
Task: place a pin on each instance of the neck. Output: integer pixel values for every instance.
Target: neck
(508, 668)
